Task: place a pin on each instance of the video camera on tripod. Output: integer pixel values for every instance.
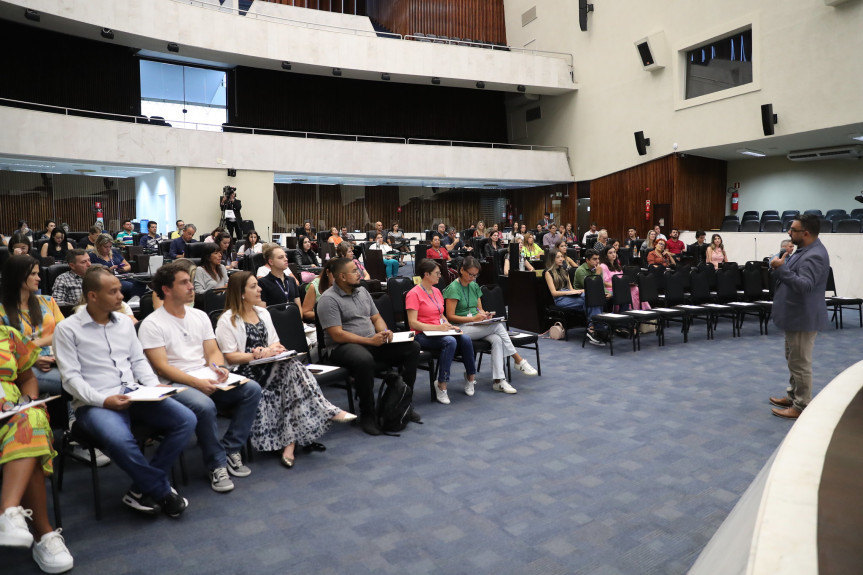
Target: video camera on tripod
(228, 190)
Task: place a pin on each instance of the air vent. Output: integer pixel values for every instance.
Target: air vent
(532, 114)
(528, 16)
(840, 153)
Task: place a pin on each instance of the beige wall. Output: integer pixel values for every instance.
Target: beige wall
(198, 191)
(804, 56)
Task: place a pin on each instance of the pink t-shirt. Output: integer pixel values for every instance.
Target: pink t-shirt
(429, 307)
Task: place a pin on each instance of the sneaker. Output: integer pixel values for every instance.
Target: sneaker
(469, 386)
(173, 505)
(13, 527)
(141, 503)
(51, 554)
(220, 481)
(236, 467)
(82, 454)
(525, 367)
(591, 338)
(504, 386)
(441, 394)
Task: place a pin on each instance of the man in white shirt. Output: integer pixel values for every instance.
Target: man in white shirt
(101, 361)
(178, 340)
(589, 232)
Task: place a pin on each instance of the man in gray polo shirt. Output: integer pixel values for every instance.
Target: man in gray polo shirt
(356, 336)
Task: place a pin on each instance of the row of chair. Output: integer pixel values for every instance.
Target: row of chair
(772, 221)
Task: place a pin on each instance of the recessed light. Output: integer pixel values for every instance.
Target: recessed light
(337, 71)
(858, 136)
(385, 77)
(436, 81)
(753, 153)
(286, 66)
(107, 33)
(32, 15)
(173, 47)
(480, 84)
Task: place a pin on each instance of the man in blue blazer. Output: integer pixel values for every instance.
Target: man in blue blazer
(799, 310)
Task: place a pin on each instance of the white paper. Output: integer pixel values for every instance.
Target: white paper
(486, 321)
(402, 336)
(233, 380)
(317, 368)
(148, 393)
(229, 215)
(20, 408)
(282, 356)
(442, 333)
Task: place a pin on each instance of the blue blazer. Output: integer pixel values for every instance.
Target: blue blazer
(798, 302)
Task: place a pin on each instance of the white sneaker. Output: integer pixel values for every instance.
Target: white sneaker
(504, 386)
(469, 386)
(525, 367)
(441, 394)
(82, 454)
(51, 553)
(13, 527)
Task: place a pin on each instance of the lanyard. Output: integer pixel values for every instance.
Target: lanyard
(466, 291)
(282, 286)
(434, 301)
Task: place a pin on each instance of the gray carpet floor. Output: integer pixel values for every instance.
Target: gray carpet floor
(604, 465)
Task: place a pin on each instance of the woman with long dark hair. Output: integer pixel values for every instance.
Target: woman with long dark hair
(251, 245)
(292, 409)
(211, 274)
(56, 247)
(314, 290)
(34, 316)
(609, 264)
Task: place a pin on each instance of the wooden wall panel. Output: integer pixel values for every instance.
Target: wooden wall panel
(479, 20)
(695, 188)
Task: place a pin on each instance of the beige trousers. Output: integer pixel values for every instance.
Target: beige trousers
(798, 353)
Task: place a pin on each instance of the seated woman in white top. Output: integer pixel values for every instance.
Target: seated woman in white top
(390, 261)
(211, 274)
(251, 245)
(292, 409)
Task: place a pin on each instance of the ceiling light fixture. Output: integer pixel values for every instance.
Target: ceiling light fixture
(286, 66)
(107, 33)
(436, 81)
(385, 77)
(753, 153)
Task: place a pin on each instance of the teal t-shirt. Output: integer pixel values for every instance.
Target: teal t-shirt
(467, 297)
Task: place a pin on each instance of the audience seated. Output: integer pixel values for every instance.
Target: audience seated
(346, 250)
(356, 337)
(277, 286)
(292, 410)
(716, 251)
(150, 240)
(50, 225)
(19, 244)
(105, 254)
(591, 231)
(463, 299)
(437, 251)
(550, 239)
(589, 268)
(424, 306)
(660, 256)
(314, 290)
(648, 246)
(211, 273)
(26, 457)
(610, 266)
(335, 238)
(35, 317)
(67, 287)
(98, 332)
(390, 259)
(674, 245)
(569, 234)
(699, 248)
(57, 246)
(306, 258)
(178, 244)
(89, 243)
(251, 245)
(127, 235)
(529, 249)
(229, 260)
(181, 226)
(180, 343)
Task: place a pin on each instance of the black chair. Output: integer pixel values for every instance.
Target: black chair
(594, 296)
(165, 248)
(814, 212)
(830, 213)
(195, 250)
(257, 261)
(622, 297)
(214, 316)
(771, 226)
(700, 295)
(847, 226)
(750, 215)
(730, 225)
(50, 275)
(648, 292)
(374, 262)
(857, 213)
(750, 226)
(770, 214)
(287, 318)
(568, 317)
(726, 293)
(397, 288)
(790, 213)
(427, 361)
(213, 300)
(492, 300)
(675, 297)
(839, 303)
(825, 226)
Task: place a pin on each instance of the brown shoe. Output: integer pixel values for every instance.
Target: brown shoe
(790, 413)
(781, 401)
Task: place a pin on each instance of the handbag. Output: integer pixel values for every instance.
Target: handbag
(556, 331)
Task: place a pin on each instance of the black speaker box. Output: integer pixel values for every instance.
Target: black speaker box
(641, 143)
(768, 119)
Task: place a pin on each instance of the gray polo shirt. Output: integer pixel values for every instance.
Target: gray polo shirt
(353, 312)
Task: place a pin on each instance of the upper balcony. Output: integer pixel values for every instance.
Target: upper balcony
(313, 42)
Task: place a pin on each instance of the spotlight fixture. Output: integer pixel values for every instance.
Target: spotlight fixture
(768, 119)
(337, 71)
(385, 77)
(286, 66)
(173, 47)
(32, 15)
(521, 88)
(436, 81)
(107, 33)
(480, 84)
(859, 197)
(750, 152)
(641, 143)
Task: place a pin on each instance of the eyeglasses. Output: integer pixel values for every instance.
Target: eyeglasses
(357, 271)
(10, 405)
(791, 230)
(470, 275)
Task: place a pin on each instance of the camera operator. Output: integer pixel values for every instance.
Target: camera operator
(231, 206)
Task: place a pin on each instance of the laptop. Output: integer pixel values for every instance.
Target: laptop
(155, 263)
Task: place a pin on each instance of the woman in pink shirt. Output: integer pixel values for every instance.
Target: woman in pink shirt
(609, 263)
(425, 311)
(716, 251)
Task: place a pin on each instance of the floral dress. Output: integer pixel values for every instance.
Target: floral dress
(26, 434)
(292, 409)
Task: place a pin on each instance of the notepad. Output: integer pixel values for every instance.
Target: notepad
(282, 356)
(147, 393)
(486, 321)
(234, 379)
(318, 369)
(402, 336)
(442, 333)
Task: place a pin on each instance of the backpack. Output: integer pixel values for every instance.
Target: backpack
(394, 404)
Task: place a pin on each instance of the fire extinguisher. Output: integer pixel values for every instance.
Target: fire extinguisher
(735, 197)
(647, 210)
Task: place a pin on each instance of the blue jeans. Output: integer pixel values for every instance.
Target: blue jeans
(131, 289)
(49, 381)
(243, 403)
(111, 430)
(577, 302)
(447, 345)
(392, 267)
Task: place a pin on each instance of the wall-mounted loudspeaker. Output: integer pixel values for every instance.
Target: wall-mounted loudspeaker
(232, 173)
(641, 143)
(583, 9)
(768, 119)
(652, 51)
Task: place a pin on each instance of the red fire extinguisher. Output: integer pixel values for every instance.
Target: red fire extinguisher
(735, 197)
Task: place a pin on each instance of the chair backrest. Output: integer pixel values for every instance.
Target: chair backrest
(51, 273)
(729, 226)
(325, 249)
(289, 326)
(647, 288)
(726, 285)
(145, 307)
(165, 248)
(214, 299)
(594, 292)
(750, 226)
(749, 218)
(322, 348)
(770, 213)
(674, 292)
(420, 255)
(790, 213)
(194, 250)
(215, 314)
(621, 295)
(323, 236)
(831, 282)
(385, 308)
(831, 213)
(771, 226)
(398, 288)
(815, 212)
(258, 261)
(492, 300)
(750, 213)
(857, 213)
(374, 262)
(847, 226)
(699, 286)
(826, 226)
(752, 282)
(837, 216)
